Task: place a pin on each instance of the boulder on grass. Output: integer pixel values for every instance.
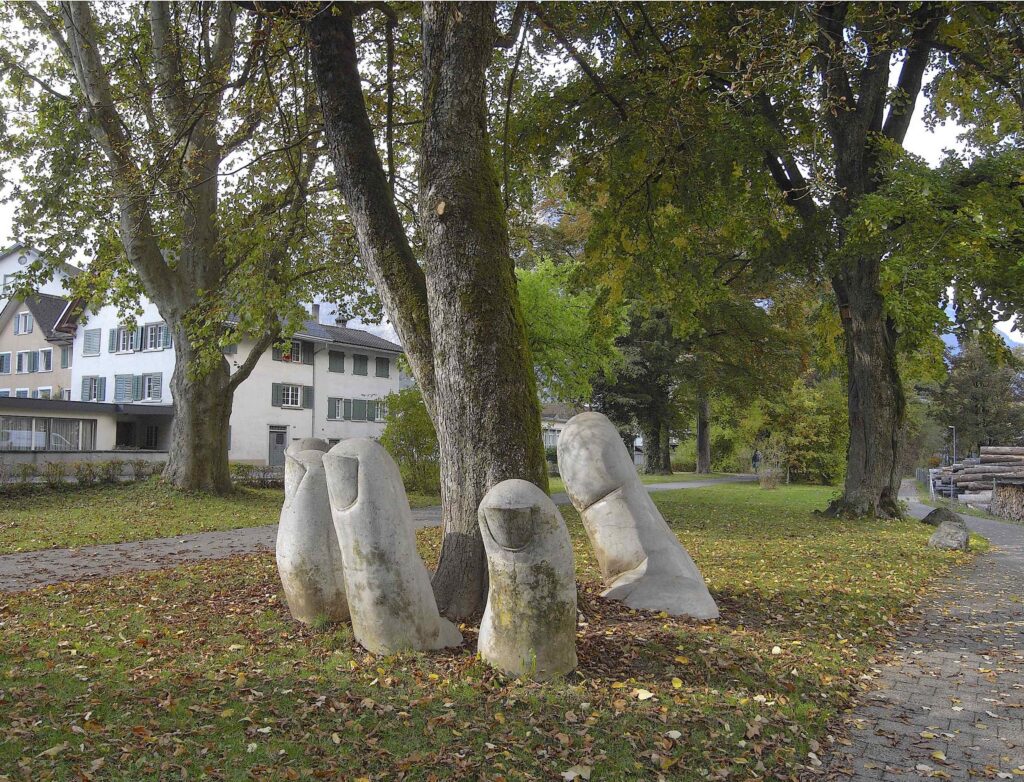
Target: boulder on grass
(939, 515)
(952, 534)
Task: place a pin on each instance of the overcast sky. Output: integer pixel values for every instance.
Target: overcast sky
(920, 141)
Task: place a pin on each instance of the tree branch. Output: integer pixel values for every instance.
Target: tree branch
(927, 19)
(508, 39)
(578, 58)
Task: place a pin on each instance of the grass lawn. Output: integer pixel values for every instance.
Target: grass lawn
(199, 673)
(555, 483)
(132, 511)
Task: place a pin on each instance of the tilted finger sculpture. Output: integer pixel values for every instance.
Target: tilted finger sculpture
(308, 556)
(642, 561)
(529, 624)
(389, 594)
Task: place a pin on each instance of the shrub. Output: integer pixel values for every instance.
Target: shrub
(111, 471)
(773, 463)
(85, 473)
(410, 438)
(141, 469)
(27, 473)
(256, 476)
(54, 473)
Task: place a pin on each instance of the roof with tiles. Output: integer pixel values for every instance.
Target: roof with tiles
(346, 336)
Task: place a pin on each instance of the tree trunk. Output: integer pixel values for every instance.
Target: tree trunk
(703, 436)
(651, 432)
(459, 316)
(198, 457)
(875, 405)
(665, 450)
(486, 408)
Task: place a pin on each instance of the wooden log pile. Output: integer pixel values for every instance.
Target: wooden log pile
(1008, 501)
(972, 475)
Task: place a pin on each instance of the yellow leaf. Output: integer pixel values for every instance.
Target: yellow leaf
(644, 695)
(677, 682)
(499, 717)
(618, 685)
(682, 660)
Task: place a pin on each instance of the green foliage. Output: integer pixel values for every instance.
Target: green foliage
(983, 398)
(410, 438)
(567, 344)
(808, 427)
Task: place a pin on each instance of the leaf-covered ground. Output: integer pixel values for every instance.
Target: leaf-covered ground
(199, 673)
(69, 518)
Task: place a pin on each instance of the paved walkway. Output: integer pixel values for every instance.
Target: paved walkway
(950, 702)
(52, 566)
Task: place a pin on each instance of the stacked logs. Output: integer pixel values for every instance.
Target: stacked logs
(996, 463)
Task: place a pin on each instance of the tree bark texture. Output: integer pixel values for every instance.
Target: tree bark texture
(198, 456)
(654, 431)
(459, 316)
(703, 435)
(875, 401)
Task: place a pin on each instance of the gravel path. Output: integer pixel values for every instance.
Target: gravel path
(950, 702)
(31, 569)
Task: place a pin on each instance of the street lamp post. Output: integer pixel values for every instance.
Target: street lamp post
(955, 493)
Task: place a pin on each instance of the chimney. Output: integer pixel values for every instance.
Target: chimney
(339, 316)
(315, 309)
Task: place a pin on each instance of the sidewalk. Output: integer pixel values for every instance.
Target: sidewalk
(950, 703)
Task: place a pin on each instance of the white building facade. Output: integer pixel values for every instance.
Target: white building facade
(15, 261)
(331, 383)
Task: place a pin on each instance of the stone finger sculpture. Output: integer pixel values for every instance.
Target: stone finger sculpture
(389, 594)
(308, 556)
(643, 563)
(529, 624)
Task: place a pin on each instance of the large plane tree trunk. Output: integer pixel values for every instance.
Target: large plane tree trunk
(703, 435)
(875, 403)
(458, 316)
(198, 458)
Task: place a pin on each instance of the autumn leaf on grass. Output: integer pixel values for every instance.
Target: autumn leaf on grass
(576, 772)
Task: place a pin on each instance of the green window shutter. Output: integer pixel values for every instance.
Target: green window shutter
(335, 361)
(139, 334)
(33, 361)
(307, 352)
(122, 387)
(28, 329)
(101, 389)
(136, 387)
(165, 336)
(359, 364)
(275, 394)
(371, 410)
(347, 409)
(333, 413)
(113, 341)
(383, 367)
(158, 385)
(85, 389)
(307, 397)
(64, 355)
(358, 409)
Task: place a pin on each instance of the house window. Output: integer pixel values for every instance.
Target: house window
(5, 393)
(125, 340)
(27, 361)
(91, 342)
(294, 353)
(23, 323)
(8, 284)
(65, 356)
(359, 364)
(335, 361)
(383, 367)
(358, 409)
(21, 393)
(93, 389)
(152, 387)
(46, 360)
(152, 438)
(382, 410)
(5, 363)
(66, 394)
(291, 395)
(43, 393)
(151, 337)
